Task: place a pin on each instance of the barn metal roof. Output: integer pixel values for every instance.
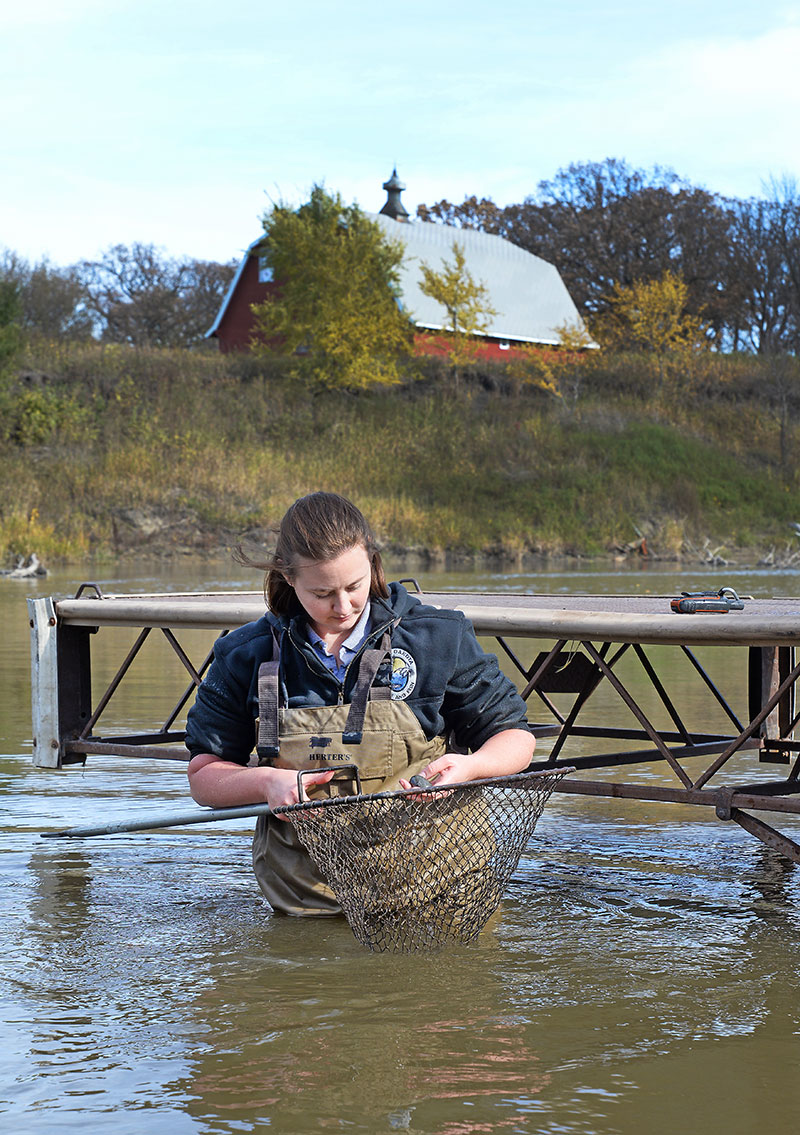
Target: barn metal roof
(527, 293)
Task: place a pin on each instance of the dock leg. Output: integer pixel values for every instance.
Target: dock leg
(44, 683)
(61, 695)
(768, 667)
(765, 833)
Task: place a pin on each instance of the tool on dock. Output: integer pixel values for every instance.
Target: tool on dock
(707, 602)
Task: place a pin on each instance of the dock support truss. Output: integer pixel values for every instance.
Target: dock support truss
(61, 692)
(773, 675)
(66, 719)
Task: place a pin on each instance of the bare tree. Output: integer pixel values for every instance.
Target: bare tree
(471, 214)
(766, 242)
(140, 296)
(604, 224)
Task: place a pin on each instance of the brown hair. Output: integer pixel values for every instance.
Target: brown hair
(318, 527)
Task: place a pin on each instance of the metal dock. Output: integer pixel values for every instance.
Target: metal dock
(576, 641)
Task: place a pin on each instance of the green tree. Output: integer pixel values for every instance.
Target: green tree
(10, 333)
(466, 301)
(335, 303)
(52, 301)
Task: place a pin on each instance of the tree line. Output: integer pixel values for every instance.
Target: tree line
(610, 229)
(134, 294)
(607, 226)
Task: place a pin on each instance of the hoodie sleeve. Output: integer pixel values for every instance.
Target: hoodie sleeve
(479, 700)
(221, 721)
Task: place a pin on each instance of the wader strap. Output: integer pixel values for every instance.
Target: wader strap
(267, 741)
(363, 691)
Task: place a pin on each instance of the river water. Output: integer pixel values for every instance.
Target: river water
(641, 976)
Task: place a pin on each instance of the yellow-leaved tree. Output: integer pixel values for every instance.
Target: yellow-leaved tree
(465, 300)
(653, 316)
(335, 307)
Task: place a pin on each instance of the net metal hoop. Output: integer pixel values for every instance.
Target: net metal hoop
(418, 869)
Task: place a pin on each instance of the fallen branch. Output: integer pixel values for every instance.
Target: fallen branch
(26, 569)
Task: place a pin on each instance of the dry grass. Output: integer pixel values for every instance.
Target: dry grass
(495, 464)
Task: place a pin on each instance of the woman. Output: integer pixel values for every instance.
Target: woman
(342, 669)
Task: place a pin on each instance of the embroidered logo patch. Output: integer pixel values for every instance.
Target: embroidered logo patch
(404, 674)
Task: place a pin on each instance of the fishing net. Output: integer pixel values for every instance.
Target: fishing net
(420, 869)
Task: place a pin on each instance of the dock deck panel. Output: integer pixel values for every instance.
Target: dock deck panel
(613, 618)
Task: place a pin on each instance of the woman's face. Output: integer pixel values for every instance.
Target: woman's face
(334, 592)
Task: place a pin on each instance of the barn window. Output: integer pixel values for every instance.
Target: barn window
(264, 271)
(504, 346)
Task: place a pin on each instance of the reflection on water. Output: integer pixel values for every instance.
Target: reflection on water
(641, 975)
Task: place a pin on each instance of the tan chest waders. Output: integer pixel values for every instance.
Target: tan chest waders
(381, 737)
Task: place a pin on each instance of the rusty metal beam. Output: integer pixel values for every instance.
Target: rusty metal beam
(766, 710)
(115, 681)
(632, 756)
(768, 835)
(187, 693)
(658, 793)
(652, 733)
(584, 695)
(181, 653)
(658, 686)
(112, 748)
(713, 688)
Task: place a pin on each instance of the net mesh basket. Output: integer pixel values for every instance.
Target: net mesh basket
(421, 869)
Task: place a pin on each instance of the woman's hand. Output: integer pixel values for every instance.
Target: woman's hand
(216, 783)
(452, 768)
(502, 755)
(282, 788)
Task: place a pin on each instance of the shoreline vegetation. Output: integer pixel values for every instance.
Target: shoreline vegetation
(111, 451)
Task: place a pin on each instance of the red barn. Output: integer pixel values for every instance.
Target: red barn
(528, 294)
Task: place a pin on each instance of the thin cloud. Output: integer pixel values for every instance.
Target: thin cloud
(143, 121)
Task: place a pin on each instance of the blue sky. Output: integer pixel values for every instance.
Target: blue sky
(175, 122)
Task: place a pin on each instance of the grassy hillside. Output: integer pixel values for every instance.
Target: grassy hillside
(110, 450)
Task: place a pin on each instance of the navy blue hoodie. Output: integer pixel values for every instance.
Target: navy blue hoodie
(437, 667)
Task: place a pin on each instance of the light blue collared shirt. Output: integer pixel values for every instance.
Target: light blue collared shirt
(348, 649)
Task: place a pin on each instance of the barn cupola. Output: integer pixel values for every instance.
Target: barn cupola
(394, 207)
